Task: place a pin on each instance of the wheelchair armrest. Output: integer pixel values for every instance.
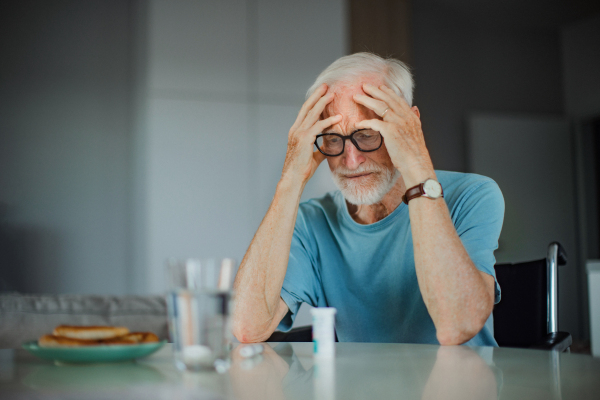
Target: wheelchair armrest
(561, 253)
(556, 341)
(301, 334)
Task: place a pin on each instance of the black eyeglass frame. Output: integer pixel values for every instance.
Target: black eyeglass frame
(344, 138)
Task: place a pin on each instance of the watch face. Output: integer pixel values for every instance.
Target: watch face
(432, 188)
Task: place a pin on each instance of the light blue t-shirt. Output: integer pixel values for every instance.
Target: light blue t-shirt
(368, 272)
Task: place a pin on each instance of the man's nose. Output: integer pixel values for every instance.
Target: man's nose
(352, 156)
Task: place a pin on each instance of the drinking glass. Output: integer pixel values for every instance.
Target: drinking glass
(199, 306)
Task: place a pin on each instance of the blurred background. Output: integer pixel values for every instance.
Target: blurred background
(132, 131)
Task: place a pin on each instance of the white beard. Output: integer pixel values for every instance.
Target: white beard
(371, 190)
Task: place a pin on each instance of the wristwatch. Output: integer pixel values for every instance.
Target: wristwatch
(430, 189)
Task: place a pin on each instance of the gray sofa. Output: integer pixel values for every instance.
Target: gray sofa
(27, 317)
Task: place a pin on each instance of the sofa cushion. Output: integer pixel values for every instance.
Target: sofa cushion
(27, 317)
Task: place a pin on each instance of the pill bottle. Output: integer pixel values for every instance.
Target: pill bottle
(323, 332)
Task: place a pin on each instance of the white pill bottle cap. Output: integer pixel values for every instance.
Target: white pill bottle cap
(323, 332)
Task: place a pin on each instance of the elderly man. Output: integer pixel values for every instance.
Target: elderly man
(404, 252)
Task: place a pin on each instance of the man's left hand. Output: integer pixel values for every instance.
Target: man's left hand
(400, 127)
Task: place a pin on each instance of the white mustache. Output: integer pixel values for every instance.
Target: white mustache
(361, 192)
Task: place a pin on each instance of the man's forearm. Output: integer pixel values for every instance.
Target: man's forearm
(457, 295)
(258, 283)
(262, 271)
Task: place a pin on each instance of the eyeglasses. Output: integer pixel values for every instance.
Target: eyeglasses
(333, 144)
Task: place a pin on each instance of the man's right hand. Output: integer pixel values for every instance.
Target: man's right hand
(259, 306)
(301, 161)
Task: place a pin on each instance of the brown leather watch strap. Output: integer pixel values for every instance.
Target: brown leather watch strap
(413, 192)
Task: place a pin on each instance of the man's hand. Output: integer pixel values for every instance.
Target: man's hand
(442, 263)
(301, 161)
(259, 306)
(401, 130)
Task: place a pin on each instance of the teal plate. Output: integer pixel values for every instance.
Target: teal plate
(93, 354)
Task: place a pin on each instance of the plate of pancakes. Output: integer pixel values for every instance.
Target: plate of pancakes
(92, 344)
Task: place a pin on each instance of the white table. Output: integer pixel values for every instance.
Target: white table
(288, 371)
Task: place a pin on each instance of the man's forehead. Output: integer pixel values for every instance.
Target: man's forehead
(343, 103)
(354, 87)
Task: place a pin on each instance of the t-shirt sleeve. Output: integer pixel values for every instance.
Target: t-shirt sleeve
(479, 223)
(302, 282)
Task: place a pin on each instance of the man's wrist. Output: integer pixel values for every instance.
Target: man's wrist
(417, 176)
(290, 183)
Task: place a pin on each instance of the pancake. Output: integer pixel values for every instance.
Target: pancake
(132, 338)
(90, 332)
(60, 341)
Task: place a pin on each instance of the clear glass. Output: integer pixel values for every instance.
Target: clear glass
(200, 302)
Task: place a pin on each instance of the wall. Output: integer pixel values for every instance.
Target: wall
(466, 64)
(581, 64)
(64, 142)
(224, 82)
(133, 131)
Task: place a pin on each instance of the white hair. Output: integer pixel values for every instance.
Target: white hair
(395, 74)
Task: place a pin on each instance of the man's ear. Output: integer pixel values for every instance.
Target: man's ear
(416, 111)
